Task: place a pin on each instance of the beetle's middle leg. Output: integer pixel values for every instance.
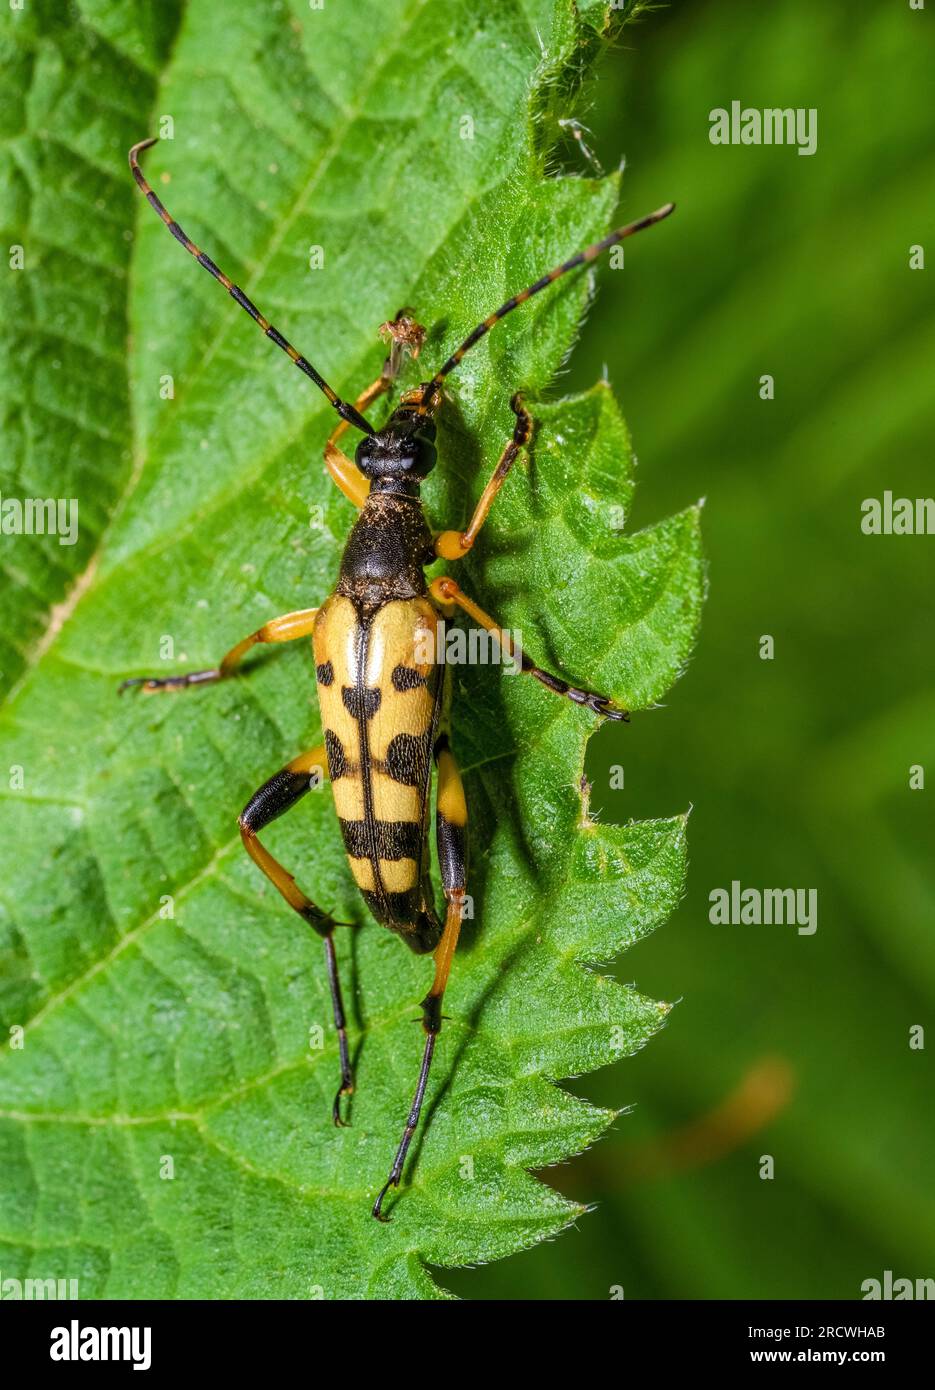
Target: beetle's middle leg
(405, 337)
(451, 838)
(287, 628)
(445, 590)
(451, 545)
(275, 797)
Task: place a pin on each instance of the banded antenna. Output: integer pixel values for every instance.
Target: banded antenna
(590, 253)
(344, 409)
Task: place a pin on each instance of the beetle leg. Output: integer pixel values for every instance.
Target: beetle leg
(275, 797)
(284, 629)
(344, 471)
(445, 590)
(406, 337)
(451, 836)
(451, 545)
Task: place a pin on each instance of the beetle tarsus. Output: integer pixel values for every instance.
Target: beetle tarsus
(150, 684)
(378, 1204)
(603, 705)
(345, 1089)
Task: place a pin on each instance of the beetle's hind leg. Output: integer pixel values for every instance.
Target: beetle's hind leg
(273, 799)
(451, 837)
(405, 337)
(287, 628)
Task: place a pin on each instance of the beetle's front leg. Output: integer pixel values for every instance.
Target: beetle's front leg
(275, 797)
(451, 838)
(452, 545)
(405, 337)
(284, 629)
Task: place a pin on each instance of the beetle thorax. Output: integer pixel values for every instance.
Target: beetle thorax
(387, 550)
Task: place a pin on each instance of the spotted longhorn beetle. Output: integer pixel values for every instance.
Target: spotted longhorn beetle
(384, 697)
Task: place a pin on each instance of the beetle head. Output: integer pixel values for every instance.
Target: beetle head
(403, 448)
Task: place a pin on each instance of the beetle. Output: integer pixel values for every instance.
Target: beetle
(383, 686)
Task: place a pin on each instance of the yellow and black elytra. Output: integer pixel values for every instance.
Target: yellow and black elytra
(383, 686)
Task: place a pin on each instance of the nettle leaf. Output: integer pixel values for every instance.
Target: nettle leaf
(171, 1003)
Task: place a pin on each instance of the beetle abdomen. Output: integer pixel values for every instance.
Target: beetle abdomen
(379, 689)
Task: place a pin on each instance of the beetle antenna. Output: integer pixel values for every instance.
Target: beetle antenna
(344, 409)
(590, 253)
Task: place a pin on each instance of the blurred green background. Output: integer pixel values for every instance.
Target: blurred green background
(797, 768)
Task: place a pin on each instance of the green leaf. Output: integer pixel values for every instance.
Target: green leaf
(168, 996)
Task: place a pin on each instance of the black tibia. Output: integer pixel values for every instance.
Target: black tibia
(411, 1126)
(189, 678)
(523, 427)
(273, 799)
(600, 704)
(451, 835)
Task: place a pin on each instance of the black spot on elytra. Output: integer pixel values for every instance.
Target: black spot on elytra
(325, 673)
(337, 761)
(406, 678)
(396, 839)
(407, 759)
(361, 703)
